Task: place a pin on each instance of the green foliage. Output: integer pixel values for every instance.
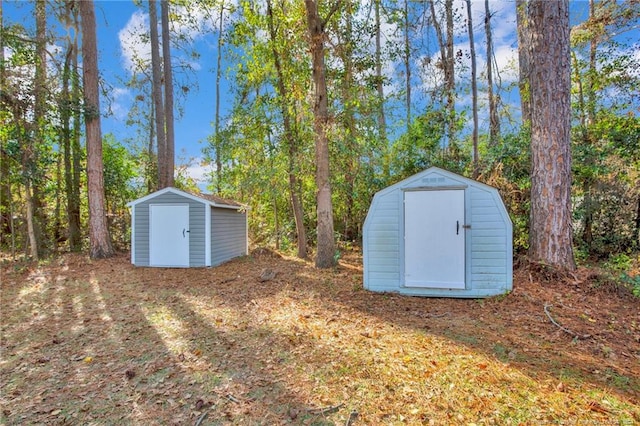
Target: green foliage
(632, 282)
(619, 262)
(506, 166)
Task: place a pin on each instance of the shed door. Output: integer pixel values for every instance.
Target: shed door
(168, 235)
(434, 241)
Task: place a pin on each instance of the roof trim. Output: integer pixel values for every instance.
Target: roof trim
(186, 195)
(432, 169)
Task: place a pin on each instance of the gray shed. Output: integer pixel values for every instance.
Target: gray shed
(438, 234)
(172, 228)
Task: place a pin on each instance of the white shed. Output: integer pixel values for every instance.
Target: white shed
(173, 228)
(438, 234)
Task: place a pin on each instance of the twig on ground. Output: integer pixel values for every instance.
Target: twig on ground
(201, 418)
(566, 330)
(232, 398)
(326, 410)
(352, 418)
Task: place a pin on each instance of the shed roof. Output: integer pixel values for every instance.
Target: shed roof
(209, 199)
(433, 169)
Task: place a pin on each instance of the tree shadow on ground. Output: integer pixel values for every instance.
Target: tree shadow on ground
(103, 342)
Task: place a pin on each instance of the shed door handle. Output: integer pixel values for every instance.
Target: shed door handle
(183, 231)
(457, 227)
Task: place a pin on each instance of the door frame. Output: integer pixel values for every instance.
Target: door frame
(183, 207)
(463, 228)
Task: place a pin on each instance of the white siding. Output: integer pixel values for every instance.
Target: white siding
(489, 261)
(382, 243)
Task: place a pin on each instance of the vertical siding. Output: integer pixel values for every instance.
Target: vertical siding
(196, 228)
(490, 242)
(382, 243)
(228, 234)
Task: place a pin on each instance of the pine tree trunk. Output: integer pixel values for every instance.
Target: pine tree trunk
(325, 257)
(158, 98)
(550, 88)
(99, 239)
(168, 95)
(31, 152)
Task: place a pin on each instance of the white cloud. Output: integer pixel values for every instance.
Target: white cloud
(197, 169)
(121, 98)
(506, 61)
(134, 43)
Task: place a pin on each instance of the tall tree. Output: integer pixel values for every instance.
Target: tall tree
(70, 121)
(326, 245)
(407, 61)
(99, 238)
(158, 98)
(447, 61)
(169, 165)
(494, 119)
(382, 121)
(29, 153)
(291, 136)
(217, 142)
(550, 89)
(474, 91)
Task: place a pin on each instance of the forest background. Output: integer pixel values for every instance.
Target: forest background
(409, 85)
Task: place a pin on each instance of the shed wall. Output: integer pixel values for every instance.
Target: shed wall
(196, 228)
(489, 240)
(228, 235)
(381, 243)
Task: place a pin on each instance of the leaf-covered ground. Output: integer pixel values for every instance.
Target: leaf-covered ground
(103, 343)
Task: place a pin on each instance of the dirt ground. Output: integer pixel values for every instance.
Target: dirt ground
(268, 339)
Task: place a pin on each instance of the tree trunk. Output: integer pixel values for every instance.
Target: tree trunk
(494, 119)
(550, 87)
(30, 156)
(290, 137)
(382, 121)
(474, 93)
(158, 99)
(216, 129)
(524, 60)
(99, 239)
(325, 256)
(168, 95)
(75, 228)
(407, 61)
(447, 61)
(450, 83)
